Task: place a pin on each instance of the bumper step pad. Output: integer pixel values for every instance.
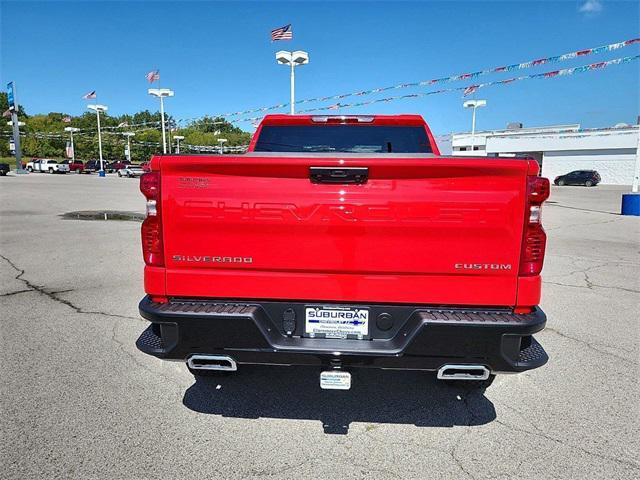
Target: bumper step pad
(533, 354)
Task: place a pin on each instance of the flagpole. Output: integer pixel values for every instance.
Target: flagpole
(164, 137)
(293, 88)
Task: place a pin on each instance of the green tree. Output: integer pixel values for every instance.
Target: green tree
(44, 134)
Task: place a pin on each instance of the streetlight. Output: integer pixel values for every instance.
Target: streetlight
(128, 135)
(474, 104)
(161, 93)
(178, 138)
(294, 59)
(73, 148)
(221, 141)
(98, 109)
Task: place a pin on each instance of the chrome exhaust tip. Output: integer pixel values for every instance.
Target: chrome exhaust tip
(212, 362)
(463, 372)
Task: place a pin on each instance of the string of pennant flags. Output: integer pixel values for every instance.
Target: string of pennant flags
(468, 90)
(449, 79)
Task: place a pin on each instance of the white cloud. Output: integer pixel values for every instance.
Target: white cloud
(591, 7)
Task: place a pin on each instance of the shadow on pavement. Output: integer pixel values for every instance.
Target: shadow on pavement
(376, 396)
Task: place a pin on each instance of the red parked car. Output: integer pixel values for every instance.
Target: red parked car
(75, 165)
(344, 242)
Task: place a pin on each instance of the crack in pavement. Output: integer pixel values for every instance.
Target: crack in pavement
(542, 434)
(179, 392)
(576, 258)
(53, 294)
(590, 345)
(588, 282)
(15, 293)
(454, 450)
(551, 229)
(590, 286)
(553, 204)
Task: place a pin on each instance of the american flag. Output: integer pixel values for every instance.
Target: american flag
(66, 119)
(90, 95)
(153, 76)
(470, 90)
(282, 33)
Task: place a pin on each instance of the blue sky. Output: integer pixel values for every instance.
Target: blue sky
(217, 56)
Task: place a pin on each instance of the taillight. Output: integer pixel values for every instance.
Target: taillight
(152, 248)
(534, 239)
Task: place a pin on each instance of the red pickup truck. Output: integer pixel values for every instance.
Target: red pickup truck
(342, 242)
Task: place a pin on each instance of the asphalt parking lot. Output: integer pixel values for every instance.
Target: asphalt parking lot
(79, 401)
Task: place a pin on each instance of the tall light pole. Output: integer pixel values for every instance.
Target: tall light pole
(293, 59)
(161, 93)
(73, 148)
(98, 109)
(474, 104)
(222, 141)
(129, 135)
(178, 138)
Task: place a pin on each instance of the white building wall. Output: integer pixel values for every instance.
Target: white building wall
(562, 149)
(615, 166)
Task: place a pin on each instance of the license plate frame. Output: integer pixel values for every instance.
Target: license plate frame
(336, 322)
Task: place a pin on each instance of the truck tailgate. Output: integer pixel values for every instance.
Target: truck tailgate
(421, 230)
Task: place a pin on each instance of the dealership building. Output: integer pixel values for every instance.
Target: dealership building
(560, 149)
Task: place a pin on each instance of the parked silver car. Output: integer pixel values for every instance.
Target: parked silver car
(131, 171)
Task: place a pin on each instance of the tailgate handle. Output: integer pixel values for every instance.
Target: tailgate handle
(338, 174)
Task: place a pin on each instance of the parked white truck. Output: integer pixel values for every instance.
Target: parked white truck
(47, 165)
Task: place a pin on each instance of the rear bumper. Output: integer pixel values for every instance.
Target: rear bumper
(420, 338)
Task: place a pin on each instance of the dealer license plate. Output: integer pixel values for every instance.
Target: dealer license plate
(336, 322)
(335, 380)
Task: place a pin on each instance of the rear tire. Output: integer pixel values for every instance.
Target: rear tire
(588, 183)
(472, 384)
(30, 169)
(119, 173)
(561, 183)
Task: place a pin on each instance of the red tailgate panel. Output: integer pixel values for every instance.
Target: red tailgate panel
(421, 230)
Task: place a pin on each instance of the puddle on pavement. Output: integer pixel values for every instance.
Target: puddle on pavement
(104, 215)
